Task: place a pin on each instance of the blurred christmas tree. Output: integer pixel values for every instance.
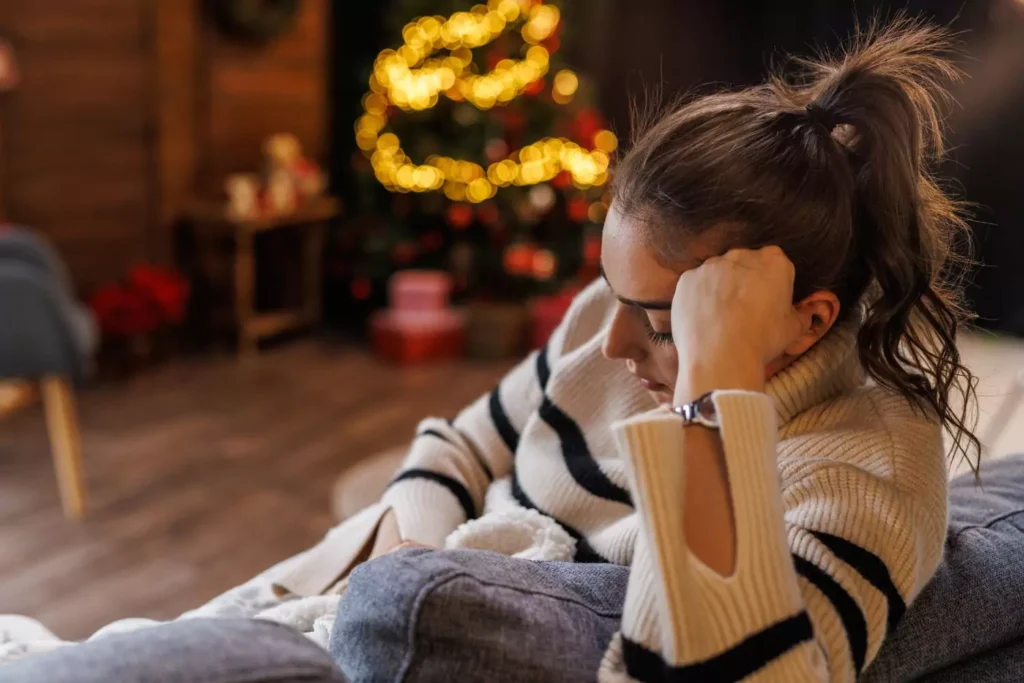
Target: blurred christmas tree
(492, 155)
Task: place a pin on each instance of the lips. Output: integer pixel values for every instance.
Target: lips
(652, 386)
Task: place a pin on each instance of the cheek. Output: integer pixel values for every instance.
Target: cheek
(667, 359)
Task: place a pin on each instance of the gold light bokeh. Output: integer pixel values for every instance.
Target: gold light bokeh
(415, 76)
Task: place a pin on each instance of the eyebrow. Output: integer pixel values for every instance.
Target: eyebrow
(646, 305)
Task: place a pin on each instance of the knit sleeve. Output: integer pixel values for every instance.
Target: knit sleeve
(451, 464)
(824, 566)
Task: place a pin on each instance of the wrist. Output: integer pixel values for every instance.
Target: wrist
(698, 378)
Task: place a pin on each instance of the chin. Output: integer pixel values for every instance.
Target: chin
(663, 396)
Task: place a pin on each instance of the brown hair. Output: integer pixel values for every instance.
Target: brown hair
(834, 165)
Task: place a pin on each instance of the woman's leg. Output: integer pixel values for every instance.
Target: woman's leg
(185, 651)
(422, 616)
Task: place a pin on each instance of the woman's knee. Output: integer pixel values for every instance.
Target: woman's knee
(473, 616)
(371, 638)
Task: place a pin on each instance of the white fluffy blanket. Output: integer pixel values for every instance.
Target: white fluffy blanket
(510, 530)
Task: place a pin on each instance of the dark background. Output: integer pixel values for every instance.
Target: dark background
(630, 47)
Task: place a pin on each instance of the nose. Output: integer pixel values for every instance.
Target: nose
(620, 342)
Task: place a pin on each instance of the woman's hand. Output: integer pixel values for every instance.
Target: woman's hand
(732, 316)
(389, 538)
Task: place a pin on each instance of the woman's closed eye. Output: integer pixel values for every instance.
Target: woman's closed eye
(659, 338)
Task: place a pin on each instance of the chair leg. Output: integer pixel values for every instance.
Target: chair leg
(65, 443)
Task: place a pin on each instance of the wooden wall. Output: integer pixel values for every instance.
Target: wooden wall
(129, 107)
(75, 154)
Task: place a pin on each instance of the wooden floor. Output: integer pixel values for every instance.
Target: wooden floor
(201, 474)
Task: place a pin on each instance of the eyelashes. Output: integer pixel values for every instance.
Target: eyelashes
(658, 338)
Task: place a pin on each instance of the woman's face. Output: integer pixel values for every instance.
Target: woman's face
(641, 329)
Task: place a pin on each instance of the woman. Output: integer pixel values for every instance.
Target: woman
(747, 410)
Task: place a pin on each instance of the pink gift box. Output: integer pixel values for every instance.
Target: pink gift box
(419, 290)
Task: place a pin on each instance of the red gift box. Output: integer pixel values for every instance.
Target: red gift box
(415, 337)
(546, 313)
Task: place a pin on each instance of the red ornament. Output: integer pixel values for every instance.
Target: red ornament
(577, 209)
(488, 213)
(514, 119)
(552, 43)
(534, 87)
(519, 259)
(562, 181)
(586, 124)
(432, 240)
(459, 215)
(403, 253)
(493, 57)
(360, 288)
(592, 249)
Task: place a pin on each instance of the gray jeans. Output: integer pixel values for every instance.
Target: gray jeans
(476, 617)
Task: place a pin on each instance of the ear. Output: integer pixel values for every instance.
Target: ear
(817, 313)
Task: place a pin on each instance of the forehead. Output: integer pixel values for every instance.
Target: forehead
(647, 254)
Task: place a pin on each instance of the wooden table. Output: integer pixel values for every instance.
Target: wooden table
(210, 218)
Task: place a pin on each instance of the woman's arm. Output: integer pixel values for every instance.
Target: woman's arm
(451, 464)
(824, 567)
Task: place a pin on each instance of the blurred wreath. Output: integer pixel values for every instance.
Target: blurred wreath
(255, 21)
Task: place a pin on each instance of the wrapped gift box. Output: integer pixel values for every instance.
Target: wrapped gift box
(408, 337)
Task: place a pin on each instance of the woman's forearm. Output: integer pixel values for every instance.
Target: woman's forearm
(708, 517)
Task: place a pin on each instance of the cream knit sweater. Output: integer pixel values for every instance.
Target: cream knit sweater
(838, 487)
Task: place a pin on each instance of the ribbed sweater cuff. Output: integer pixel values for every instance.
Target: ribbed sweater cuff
(426, 511)
(707, 613)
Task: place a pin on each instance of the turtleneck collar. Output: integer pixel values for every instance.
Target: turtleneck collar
(828, 369)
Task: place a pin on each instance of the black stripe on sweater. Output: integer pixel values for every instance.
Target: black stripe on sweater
(872, 568)
(436, 434)
(501, 422)
(584, 551)
(455, 487)
(475, 453)
(578, 459)
(735, 664)
(854, 624)
(543, 369)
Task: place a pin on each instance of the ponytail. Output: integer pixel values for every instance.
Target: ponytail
(882, 102)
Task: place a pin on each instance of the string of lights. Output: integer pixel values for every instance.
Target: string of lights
(415, 76)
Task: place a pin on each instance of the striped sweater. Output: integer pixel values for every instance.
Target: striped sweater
(838, 488)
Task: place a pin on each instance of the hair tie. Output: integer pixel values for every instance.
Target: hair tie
(822, 117)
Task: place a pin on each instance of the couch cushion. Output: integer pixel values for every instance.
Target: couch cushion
(973, 605)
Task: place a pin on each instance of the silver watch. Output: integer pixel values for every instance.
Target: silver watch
(701, 411)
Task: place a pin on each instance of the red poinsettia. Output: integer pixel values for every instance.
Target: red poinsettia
(149, 298)
(166, 288)
(123, 311)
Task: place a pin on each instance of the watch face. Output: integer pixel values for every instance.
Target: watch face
(706, 409)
